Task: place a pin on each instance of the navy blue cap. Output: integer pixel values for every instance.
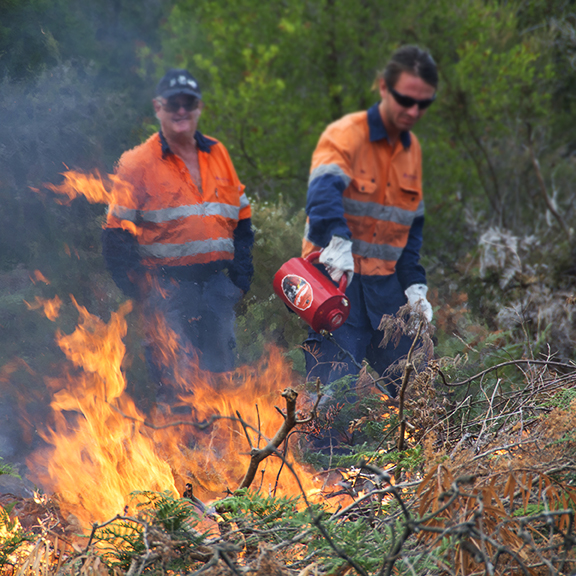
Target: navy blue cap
(178, 81)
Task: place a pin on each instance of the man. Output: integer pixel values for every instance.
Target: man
(365, 209)
(179, 237)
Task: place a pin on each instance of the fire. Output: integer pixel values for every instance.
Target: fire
(101, 449)
(39, 277)
(101, 446)
(10, 538)
(51, 307)
(96, 189)
(92, 186)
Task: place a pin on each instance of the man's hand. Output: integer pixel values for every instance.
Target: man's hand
(416, 295)
(338, 260)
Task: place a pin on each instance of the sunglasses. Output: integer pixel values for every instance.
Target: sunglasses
(408, 101)
(174, 103)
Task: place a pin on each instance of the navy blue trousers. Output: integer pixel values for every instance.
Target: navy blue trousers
(200, 315)
(359, 335)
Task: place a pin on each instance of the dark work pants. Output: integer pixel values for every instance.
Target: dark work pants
(359, 336)
(200, 315)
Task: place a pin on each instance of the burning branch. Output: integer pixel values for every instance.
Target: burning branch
(290, 421)
(257, 455)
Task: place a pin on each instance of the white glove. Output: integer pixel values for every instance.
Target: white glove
(416, 295)
(338, 260)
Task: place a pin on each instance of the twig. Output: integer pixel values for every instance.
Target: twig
(489, 411)
(408, 368)
(510, 363)
(97, 526)
(257, 455)
(199, 425)
(290, 421)
(245, 430)
(507, 447)
(259, 426)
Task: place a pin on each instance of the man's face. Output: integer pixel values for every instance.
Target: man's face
(178, 115)
(401, 118)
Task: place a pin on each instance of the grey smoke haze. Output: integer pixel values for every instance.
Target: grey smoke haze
(69, 98)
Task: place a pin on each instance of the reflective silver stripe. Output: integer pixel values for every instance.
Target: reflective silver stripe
(330, 169)
(379, 212)
(188, 249)
(123, 213)
(307, 230)
(204, 209)
(244, 202)
(419, 210)
(380, 251)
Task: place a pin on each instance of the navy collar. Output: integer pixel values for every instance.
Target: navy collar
(203, 142)
(378, 130)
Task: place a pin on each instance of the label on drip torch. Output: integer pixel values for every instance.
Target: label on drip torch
(297, 291)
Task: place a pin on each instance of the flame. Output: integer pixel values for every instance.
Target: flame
(96, 189)
(51, 307)
(101, 450)
(11, 529)
(39, 277)
(100, 446)
(92, 186)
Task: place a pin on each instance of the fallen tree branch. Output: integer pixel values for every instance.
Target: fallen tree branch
(256, 454)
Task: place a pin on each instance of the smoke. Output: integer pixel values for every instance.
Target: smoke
(70, 97)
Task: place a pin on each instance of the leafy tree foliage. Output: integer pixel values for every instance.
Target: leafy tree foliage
(276, 77)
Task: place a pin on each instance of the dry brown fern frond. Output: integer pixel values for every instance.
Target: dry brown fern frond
(513, 519)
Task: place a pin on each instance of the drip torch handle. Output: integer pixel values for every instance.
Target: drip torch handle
(343, 281)
(312, 256)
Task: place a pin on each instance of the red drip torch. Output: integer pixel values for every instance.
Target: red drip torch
(313, 296)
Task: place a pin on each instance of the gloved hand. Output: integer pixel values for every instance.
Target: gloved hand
(337, 258)
(416, 295)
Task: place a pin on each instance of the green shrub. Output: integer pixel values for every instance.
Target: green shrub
(263, 318)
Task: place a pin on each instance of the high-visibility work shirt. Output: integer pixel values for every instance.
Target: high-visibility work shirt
(176, 222)
(362, 188)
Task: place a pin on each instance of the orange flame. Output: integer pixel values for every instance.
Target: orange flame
(51, 307)
(101, 450)
(91, 186)
(96, 189)
(11, 529)
(39, 277)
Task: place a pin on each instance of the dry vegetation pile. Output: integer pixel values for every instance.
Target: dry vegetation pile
(483, 484)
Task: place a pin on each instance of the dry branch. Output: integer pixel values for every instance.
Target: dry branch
(408, 368)
(290, 421)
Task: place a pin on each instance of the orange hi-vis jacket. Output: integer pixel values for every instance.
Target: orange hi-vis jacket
(362, 188)
(175, 222)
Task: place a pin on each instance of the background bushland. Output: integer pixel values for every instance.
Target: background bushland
(499, 146)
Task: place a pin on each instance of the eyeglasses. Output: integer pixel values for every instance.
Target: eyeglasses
(174, 103)
(408, 101)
